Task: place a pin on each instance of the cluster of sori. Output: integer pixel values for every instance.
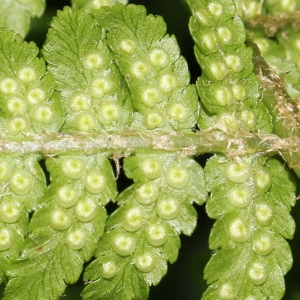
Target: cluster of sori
(142, 235)
(89, 72)
(251, 199)
(229, 90)
(17, 198)
(81, 187)
(27, 98)
(156, 74)
(255, 8)
(94, 95)
(66, 227)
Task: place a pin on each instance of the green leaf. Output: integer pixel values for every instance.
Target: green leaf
(16, 14)
(66, 226)
(91, 5)
(228, 90)
(27, 98)
(156, 75)
(186, 220)
(217, 265)
(69, 39)
(143, 232)
(126, 285)
(251, 199)
(93, 93)
(121, 17)
(44, 277)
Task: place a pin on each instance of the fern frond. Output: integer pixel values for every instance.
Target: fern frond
(246, 199)
(142, 235)
(70, 217)
(112, 84)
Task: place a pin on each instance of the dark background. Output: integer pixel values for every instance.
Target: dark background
(184, 280)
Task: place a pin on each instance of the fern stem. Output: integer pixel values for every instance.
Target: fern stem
(128, 141)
